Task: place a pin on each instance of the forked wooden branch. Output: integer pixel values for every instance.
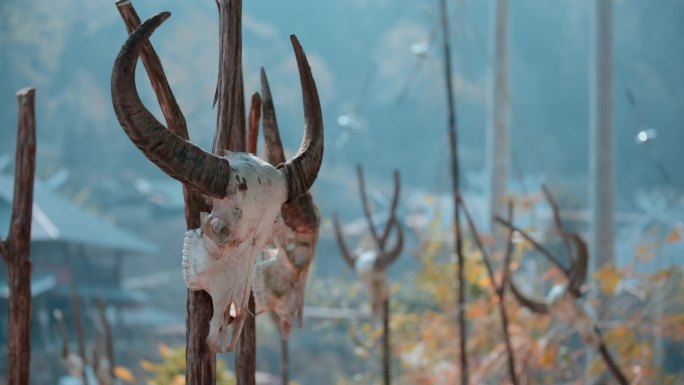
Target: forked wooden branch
(200, 361)
(16, 249)
(380, 240)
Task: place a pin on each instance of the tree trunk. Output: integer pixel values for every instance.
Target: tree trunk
(16, 250)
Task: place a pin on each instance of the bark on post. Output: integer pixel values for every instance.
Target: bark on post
(230, 135)
(455, 176)
(16, 249)
(200, 361)
(386, 355)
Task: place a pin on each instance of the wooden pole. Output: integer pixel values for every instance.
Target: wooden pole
(498, 143)
(107, 332)
(80, 334)
(386, 354)
(455, 176)
(16, 250)
(200, 360)
(230, 135)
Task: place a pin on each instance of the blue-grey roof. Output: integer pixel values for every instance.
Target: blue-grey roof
(58, 219)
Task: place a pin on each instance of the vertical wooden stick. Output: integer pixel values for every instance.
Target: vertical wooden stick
(386, 354)
(107, 330)
(453, 147)
(284, 362)
(230, 135)
(16, 250)
(200, 361)
(80, 334)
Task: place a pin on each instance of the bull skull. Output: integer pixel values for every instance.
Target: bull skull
(246, 192)
(562, 301)
(280, 281)
(371, 265)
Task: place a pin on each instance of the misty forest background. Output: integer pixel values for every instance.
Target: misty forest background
(379, 73)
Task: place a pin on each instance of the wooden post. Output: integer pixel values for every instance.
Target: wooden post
(455, 176)
(107, 331)
(498, 144)
(16, 249)
(386, 354)
(230, 135)
(284, 362)
(200, 361)
(80, 333)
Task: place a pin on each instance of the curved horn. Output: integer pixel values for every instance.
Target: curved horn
(386, 259)
(349, 257)
(274, 147)
(578, 268)
(301, 214)
(301, 171)
(177, 157)
(534, 306)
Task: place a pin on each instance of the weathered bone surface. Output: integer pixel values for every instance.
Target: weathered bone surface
(280, 279)
(219, 256)
(247, 193)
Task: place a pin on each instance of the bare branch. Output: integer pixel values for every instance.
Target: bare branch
(480, 246)
(555, 209)
(348, 256)
(534, 243)
(253, 130)
(538, 307)
(508, 253)
(393, 208)
(367, 210)
(610, 362)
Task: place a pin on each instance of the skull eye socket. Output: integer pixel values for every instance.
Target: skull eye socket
(218, 226)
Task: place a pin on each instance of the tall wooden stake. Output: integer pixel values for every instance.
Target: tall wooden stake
(386, 355)
(455, 175)
(230, 135)
(498, 144)
(16, 249)
(200, 361)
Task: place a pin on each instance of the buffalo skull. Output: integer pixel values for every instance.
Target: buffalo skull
(280, 280)
(246, 193)
(371, 265)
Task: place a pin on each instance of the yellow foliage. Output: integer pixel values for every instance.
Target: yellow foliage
(124, 374)
(608, 277)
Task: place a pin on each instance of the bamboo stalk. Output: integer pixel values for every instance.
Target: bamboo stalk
(455, 176)
(16, 249)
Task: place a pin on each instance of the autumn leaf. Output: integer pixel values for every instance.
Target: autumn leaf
(124, 375)
(547, 360)
(164, 350)
(608, 277)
